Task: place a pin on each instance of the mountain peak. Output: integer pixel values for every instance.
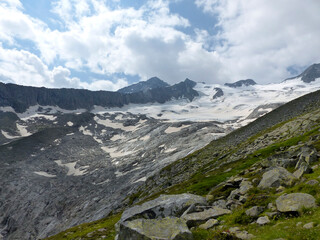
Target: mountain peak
(311, 73)
(143, 86)
(241, 83)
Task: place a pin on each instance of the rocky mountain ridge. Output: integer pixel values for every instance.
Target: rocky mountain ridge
(241, 83)
(143, 86)
(20, 98)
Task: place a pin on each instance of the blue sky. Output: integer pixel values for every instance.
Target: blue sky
(108, 44)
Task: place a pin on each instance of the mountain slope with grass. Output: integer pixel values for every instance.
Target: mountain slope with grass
(232, 173)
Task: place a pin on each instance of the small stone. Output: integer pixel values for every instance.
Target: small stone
(243, 199)
(209, 224)
(272, 215)
(254, 211)
(244, 235)
(263, 220)
(255, 181)
(315, 167)
(220, 203)
(271, 207)
(304, 168)
(308, 225)
(280, 189)
(234, 229)
(209, 198)
(298, 224)
(312, 182)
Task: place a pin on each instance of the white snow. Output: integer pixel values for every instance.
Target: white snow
(70, 124)
(23, 130)
(34, 111)
(8, 136)
(143, 179)
(175, 129)
(72, 171)
(169, 150)
(85, 131)
(116, 125)
(7, 109)
(45, 174)
(145, 138)
(236, 104)
(117, 137)
(114, 153)
(104, 182)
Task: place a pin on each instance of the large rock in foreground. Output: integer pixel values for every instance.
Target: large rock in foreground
(163, 206)
(155, 229)
(276, 177)
(294, 202)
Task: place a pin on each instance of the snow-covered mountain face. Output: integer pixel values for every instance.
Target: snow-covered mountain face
(64, 167)
(233, 105)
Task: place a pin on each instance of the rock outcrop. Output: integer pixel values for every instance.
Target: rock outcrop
(241, 83)
(218, 93)
(21, 98)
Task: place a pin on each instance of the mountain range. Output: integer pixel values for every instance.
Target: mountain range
(70, 156)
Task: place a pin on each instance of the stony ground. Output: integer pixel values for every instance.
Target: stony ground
(264, 187)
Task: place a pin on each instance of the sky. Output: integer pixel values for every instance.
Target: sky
(109, 44)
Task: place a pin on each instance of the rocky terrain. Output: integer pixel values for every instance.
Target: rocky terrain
(144, 86)
(259, 182)
(73, 156)
(20, 98)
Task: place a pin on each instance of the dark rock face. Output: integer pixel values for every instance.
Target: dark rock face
(310, 74)
(241, 83)
(144, 86)
(219, 93)
(21, 97)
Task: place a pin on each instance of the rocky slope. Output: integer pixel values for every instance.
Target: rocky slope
(144, 86)
(20, 98)
(64, 167)
(264, 174)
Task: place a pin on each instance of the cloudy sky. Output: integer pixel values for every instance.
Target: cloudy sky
(108, 44)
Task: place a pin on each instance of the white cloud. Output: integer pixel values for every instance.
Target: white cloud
(24, 68)
(258, 39)
(261, 39)
(105, 85)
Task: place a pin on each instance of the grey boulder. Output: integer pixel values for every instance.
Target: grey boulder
(254, 211)
(294, 202)
(163, 206)
(209, 224)
(197, 218)
(263, 220)
(154, 229)
(304, 168)
(276, 177)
